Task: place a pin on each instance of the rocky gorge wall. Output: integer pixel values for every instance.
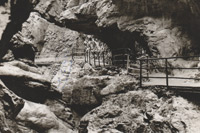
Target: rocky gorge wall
(161, 24)
(163, 28)
(61, 96)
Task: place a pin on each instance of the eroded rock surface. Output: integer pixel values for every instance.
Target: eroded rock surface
(46, 31)
(10, 106)
(26, 81)
(123, 23)
(40, 118)
(143, 111)
(158, 33)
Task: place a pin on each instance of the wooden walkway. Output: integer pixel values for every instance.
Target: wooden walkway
(169, 74)
(145, 69)
(150, 71)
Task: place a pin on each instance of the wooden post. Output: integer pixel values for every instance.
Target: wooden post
(123, 59)
(103, 59)
(166, 71)
(89, 57)
(128, 62)
(85, 54)
(147, 67)
(99, 59)
(94, 59)
(72, 54)
(141, 73)
(112, 58)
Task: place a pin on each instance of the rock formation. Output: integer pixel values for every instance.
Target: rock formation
(10, 105)
(43, 90)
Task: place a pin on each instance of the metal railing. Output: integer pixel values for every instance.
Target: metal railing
(95, 58)
(121, 57)
(118, 57)
(167, 68)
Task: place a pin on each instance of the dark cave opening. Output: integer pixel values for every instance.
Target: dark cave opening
(116, 39)
(24, 52)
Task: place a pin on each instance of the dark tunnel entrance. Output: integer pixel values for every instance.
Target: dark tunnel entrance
(136, 41)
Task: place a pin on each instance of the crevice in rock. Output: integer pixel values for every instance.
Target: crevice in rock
(38, 94)
(25, 52)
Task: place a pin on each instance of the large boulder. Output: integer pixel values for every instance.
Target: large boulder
(85, 93)
(67, 74)
(83, 87)
(119, 84)
(26, 81)
(40, 118)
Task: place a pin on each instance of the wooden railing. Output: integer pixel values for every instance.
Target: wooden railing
(95, 58)
(121, 57)
(118, 57)
(167, 68)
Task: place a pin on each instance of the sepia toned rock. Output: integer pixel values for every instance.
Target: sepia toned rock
(10, 105)
(40, 116)
(99, 66)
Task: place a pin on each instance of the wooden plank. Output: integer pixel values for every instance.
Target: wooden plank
(140, 73)
(147, 66)
(166, 71)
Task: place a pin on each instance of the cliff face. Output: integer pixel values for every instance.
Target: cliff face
(163, 28)
(161, 24)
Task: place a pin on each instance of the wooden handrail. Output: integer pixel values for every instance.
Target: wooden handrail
(166, 71)
(140, 73)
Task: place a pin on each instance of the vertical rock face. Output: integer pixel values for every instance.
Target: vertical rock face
(18, 16)
(47, 39)
(159, 23)
(153, 24)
